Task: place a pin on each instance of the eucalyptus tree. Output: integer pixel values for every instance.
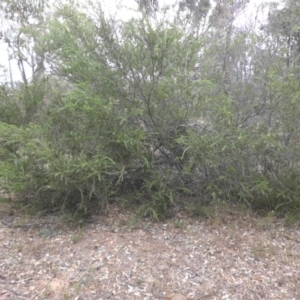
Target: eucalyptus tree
(284, 28)
(22, 24)
(22, 28)
(148, 6)
(194, 14)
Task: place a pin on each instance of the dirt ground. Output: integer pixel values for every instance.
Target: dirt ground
(233, 254)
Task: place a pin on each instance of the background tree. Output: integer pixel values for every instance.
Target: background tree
(23, 24)
(195, 13)
(150, 7)
(283, 26)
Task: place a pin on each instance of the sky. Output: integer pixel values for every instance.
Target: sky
(111, 6)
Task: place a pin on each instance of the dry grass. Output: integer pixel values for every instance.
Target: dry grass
(231, 255)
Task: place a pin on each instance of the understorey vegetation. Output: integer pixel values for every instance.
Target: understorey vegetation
(174, 106)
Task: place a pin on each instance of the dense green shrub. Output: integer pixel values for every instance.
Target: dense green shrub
(129, 118)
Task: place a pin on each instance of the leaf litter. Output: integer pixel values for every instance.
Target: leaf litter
(229, 256)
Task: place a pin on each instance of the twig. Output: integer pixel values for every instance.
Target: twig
(43, 288)
(16, 293)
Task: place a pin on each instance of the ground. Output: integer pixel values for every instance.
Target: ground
(231, 254)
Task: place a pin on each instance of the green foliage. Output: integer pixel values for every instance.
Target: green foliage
(148, 113)
(78, 156)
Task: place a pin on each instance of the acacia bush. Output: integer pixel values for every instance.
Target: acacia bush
(134, 120)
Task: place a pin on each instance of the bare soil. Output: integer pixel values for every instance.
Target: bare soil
(233, 254)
